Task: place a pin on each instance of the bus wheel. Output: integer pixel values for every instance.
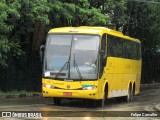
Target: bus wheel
(102, 101)
(130, 94)
(57, 101)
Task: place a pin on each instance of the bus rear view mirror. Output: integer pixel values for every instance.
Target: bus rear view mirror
(42, 52)
(102, 52)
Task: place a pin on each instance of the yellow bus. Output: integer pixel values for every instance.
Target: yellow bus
(90, 63)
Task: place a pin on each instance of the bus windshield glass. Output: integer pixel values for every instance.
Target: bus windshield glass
(71, 57)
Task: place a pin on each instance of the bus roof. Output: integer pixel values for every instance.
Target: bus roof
(91, 30)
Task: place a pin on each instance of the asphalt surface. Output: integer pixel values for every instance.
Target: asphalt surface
(145, 104)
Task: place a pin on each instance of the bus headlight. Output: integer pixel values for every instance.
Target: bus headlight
(48, 86)
(89, 88)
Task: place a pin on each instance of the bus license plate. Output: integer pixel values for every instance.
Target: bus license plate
(67, 94)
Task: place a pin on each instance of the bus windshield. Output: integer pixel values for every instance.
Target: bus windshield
(72, 57)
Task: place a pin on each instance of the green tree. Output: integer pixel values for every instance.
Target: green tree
(8, 43)
(17, 19)
(116, 12)
(75, 13)
(154, 25)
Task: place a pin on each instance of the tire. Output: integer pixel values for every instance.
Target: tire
(102, 101)
(129, 97)
(57, 101)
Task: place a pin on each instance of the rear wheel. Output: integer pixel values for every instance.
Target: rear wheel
(129, 97)
(57, 101)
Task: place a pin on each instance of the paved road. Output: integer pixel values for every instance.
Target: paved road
(146, 103)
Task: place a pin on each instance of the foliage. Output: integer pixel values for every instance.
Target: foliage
(75, 13)
(154, 26)
(17, 19)
(8, 16)
(116, 10)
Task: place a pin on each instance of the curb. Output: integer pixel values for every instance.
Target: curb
(149, 86)
(21, 95)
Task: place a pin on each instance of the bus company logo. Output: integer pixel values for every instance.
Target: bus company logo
(6, 114)
(68, 86)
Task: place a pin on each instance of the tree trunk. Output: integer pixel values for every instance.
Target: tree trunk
(38, 35)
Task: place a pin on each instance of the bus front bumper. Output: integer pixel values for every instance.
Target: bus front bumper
(85, 94)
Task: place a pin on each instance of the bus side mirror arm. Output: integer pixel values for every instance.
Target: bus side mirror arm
(104, 61)
(42, 52)
(103, 57)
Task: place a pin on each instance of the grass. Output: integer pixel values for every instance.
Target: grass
(17, 92)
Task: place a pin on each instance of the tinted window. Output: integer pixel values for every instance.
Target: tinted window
(118, 47)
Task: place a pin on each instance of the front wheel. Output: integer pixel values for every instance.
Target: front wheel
(102, 101)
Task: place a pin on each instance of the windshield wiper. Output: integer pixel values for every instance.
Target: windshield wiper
(68, 62)
(79, 73)
(61, 69)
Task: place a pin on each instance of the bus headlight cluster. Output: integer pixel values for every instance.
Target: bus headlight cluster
(48, 86)
(89, 88)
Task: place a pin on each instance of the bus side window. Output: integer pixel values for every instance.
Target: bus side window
(109, 46)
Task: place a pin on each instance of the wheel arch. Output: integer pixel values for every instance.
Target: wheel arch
(129, 85)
